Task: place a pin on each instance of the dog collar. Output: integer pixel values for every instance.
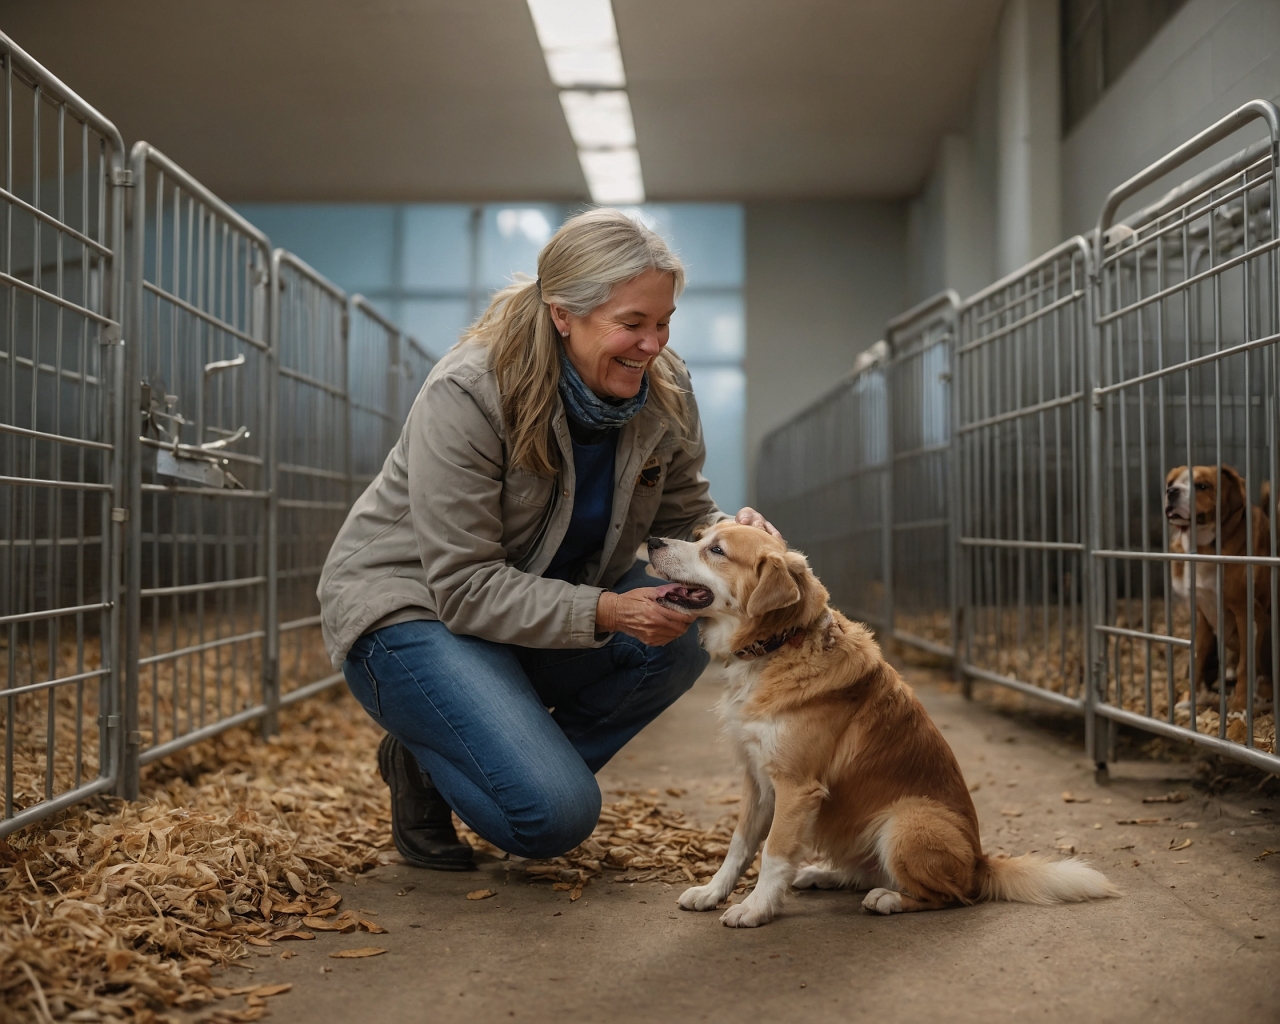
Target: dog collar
(759, 648)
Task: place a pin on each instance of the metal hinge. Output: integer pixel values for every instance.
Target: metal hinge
(122, 176)
(119, 515)
(113, 721)
(111, 335)
(1097, 399)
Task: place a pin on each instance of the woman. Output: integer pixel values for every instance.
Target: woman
(483, 597)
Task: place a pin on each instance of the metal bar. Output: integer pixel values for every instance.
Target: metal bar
(1188, 364)
(197, 588)
(41, 435)
(1031, 410)
(1062, 700)
(1019, 545)
(197, 735)
(1229, 748)
(54, 613)
(66, 485)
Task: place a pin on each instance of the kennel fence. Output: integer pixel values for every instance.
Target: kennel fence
(1027, 537)
(180, 439)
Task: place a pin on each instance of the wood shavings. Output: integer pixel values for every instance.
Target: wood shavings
(349, 954)
(120, 910)
(642, 836)
(1140, 821)
(481, 894)
(1175, 846)
(1176, 797)
(1070, 798)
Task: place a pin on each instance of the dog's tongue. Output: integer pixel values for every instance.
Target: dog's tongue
(690, 597)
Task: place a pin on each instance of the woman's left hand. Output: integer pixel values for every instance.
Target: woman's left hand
(750, 517)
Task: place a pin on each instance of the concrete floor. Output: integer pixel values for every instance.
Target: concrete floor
(1195, 938)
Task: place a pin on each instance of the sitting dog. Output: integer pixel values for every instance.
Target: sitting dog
(1204, 483)
(845, 771)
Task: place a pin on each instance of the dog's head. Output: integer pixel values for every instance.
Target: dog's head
(1193, 494)
(741, 581)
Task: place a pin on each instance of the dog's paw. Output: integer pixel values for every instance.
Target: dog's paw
(814, 877)
(883, 901)
(748, 914)
(702, 897)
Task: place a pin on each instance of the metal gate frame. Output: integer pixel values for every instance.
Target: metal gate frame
(949, 319)
(1110, 247)
(238, 295)
(110, 179)
(1023, 315)
(393, 364)
(912, 337)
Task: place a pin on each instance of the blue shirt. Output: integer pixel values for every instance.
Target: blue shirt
(593, 468)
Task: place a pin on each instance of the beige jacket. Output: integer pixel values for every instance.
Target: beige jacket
(449, 531)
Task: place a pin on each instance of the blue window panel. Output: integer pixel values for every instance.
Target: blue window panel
(351, 244)
(511, 236)
(708, 237)
(437, 323)
(437, 247)
(707, 328)
(722, 402)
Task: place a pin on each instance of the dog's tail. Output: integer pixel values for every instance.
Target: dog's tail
(1033, 879)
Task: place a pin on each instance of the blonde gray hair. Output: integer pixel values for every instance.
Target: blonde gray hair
(577, 269)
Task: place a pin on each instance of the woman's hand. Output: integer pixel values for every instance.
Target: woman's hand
(638, 614)
(750, 517)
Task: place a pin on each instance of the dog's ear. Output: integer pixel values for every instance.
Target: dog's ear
(1231, 488)
(774, 587)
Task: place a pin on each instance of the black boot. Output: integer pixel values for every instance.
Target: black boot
(421, 824)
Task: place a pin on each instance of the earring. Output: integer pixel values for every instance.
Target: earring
(564, 334)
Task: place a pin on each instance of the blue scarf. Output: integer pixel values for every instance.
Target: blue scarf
(590, 410)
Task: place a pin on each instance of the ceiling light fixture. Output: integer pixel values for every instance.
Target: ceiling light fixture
(579, 41)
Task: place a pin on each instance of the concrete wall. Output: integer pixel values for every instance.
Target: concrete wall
(822, 280)
(1210, 57)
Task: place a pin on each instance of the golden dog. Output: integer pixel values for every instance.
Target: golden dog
(1203, 483)
(845, 772)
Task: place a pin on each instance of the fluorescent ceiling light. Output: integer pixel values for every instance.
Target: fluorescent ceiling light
(599, 120)
(613, 175)
(580, 42)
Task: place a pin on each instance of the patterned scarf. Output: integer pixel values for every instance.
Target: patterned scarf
(589, 410)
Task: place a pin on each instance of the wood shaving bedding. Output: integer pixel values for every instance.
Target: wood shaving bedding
(120, 910)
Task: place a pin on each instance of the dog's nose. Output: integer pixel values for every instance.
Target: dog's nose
(656, 542)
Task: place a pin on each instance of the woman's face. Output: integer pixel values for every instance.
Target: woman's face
(613, 345)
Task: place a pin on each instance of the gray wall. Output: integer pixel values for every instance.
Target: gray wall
(1211, 57)
(822, 280)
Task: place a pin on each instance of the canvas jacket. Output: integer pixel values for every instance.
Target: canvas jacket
(449, 530)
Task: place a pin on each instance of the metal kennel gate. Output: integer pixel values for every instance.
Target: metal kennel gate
(1029, 536)
(1188, 374)
(60, 465)
(827, 489)
(197, 574)
(314, 486)
(921, 604)
(185, 418)
(1021, 460)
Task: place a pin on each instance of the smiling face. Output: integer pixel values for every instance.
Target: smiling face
(613, 345)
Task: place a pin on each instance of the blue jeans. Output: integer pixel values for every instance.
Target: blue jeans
(512, 736)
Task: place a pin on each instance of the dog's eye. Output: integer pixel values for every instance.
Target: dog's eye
(716, 549)
(1202, 487)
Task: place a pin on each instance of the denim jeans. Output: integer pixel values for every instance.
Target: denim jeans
(512, 736)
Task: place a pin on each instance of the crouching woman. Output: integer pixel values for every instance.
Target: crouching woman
(483, 596)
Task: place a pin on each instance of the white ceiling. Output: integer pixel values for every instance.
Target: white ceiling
(353, 100)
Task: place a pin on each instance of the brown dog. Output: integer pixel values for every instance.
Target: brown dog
(844, 769)
(1203, 482)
